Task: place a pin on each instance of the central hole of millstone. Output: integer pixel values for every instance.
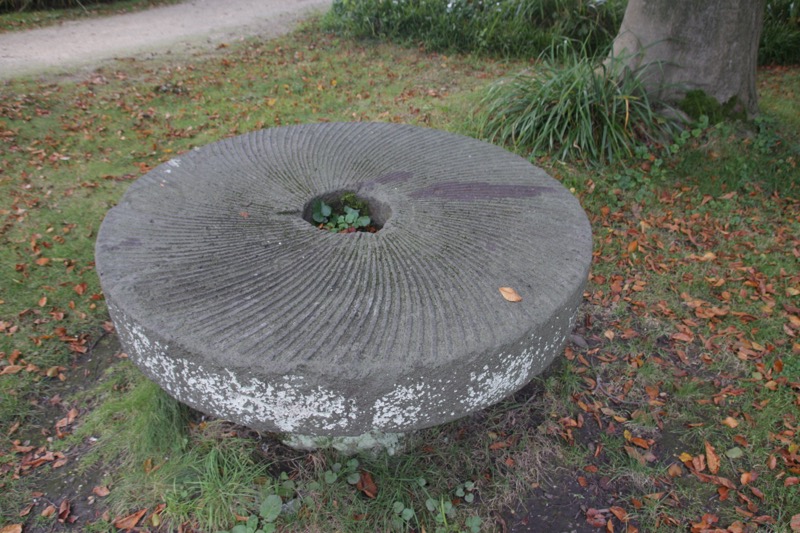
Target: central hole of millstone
(346, 212)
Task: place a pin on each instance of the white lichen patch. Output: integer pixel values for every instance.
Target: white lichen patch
(493, 384)
(401, 407)
(288, 404)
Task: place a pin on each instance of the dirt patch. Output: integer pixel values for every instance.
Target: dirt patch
(558, 507)
(61, 485)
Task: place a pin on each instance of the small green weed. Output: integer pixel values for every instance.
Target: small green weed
(345, 216)
(264, 522)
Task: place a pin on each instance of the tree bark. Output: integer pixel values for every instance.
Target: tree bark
(684, 45)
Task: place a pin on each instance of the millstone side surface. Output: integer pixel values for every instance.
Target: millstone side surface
(226, 297)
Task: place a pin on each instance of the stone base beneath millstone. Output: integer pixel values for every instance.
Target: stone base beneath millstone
(373, 441)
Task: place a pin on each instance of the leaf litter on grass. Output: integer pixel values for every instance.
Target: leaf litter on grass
(674, 406)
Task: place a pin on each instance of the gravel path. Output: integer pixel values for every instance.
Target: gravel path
(181, 28)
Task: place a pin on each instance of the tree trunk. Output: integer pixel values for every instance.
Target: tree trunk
(684, 45)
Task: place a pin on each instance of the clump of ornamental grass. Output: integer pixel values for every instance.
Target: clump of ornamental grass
(780, 37)
(574, 109)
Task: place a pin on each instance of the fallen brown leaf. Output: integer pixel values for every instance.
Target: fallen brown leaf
(101, 491)
(717, 480)
(675, 470)
(699, 463)
(130, 521)
(620, 513)
(12, 528)
(11, 369)
(633, 453)
(27, 510)
(63, 511)
(595, 518)
(712, 459)
(367, 485)
(510, 294)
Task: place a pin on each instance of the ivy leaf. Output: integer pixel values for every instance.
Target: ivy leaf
(734, 453)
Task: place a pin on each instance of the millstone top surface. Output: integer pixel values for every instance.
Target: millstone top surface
(215, 280)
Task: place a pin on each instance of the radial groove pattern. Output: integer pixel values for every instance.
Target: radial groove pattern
(224, 295)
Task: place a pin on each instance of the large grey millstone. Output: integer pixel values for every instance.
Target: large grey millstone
(226, 297)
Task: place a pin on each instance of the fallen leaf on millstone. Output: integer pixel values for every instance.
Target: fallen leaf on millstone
(510, 294)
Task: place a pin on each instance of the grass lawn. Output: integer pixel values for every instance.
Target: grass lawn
(675, 406)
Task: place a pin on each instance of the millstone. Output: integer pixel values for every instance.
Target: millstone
(226, 295)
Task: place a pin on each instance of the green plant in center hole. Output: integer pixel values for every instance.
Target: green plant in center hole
(346, 216)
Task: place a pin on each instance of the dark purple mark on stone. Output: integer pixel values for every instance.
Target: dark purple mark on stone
(478, 191)
(128, 242)
(398, 176)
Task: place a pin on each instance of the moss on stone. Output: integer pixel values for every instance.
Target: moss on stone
(697, 103)
(352, 201)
